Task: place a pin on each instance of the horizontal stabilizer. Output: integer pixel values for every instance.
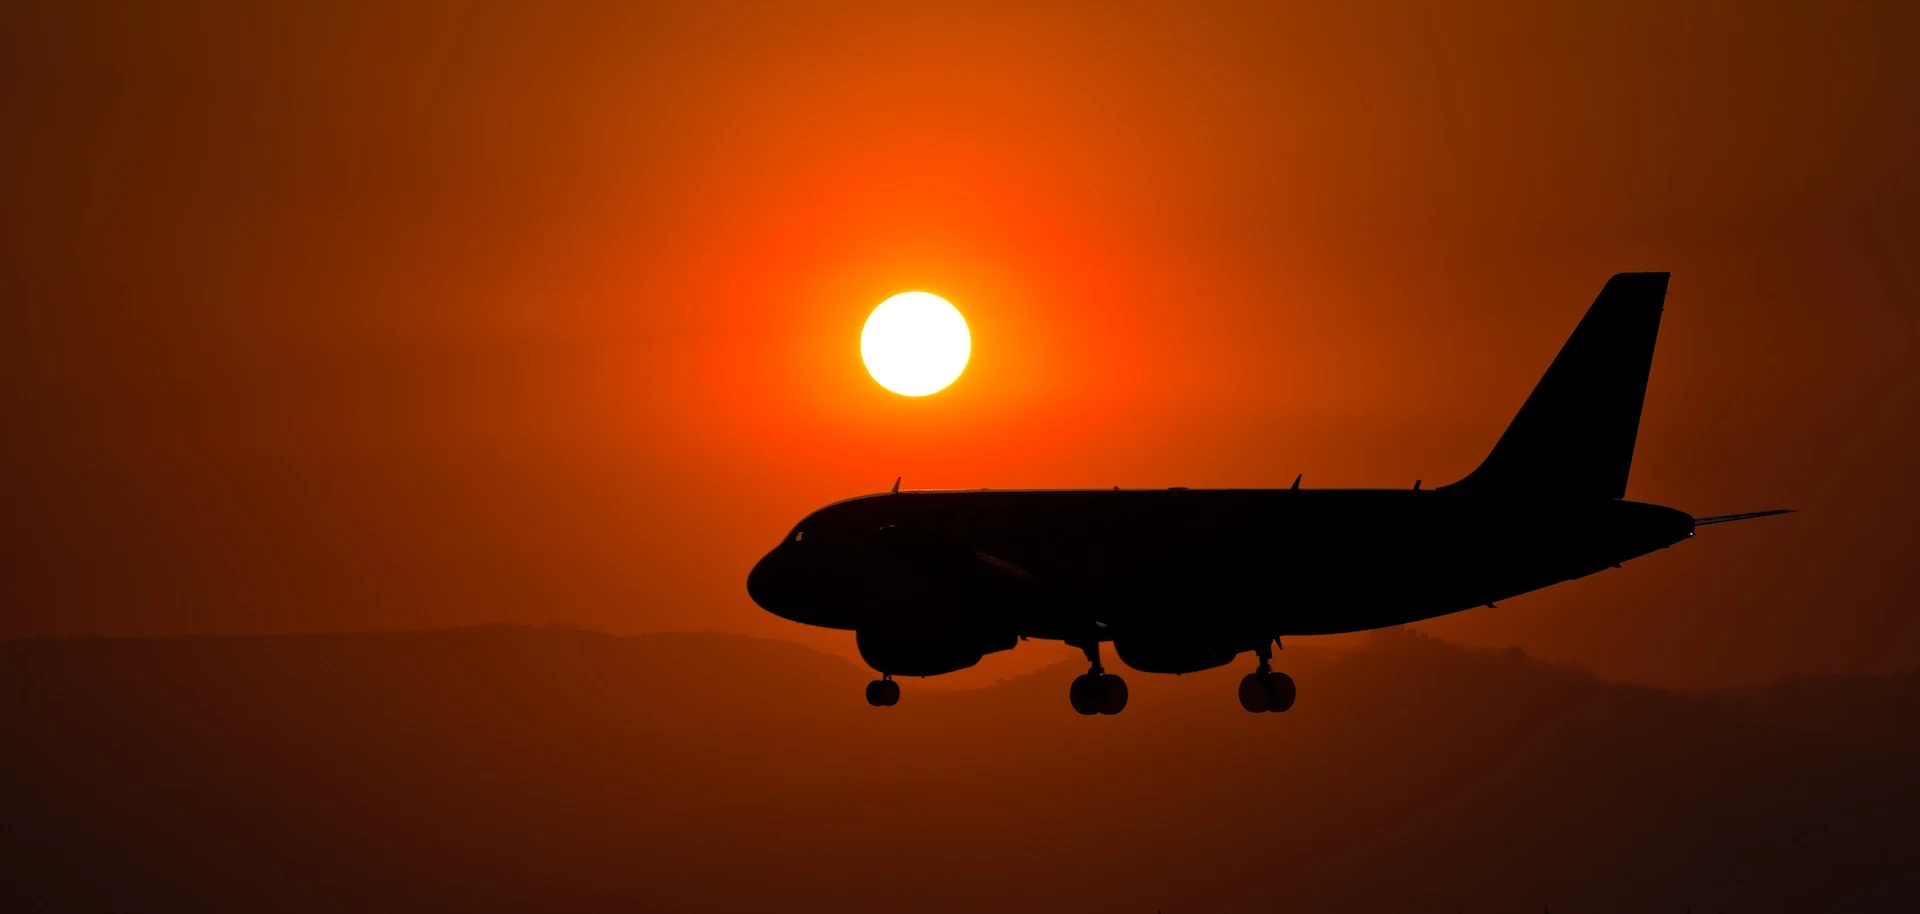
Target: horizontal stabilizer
(1730, 518)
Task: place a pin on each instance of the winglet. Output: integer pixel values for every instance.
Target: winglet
(896, 485)
(1730, 518)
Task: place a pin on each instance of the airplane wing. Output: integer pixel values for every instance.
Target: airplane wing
(1002, 565)
(1730, 518)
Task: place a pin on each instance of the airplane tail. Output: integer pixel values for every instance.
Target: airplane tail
(1574, 436)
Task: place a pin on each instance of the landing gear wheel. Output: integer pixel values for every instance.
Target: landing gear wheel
(1266, 691)
(883, 693)
(1113, 694)
(1086, 693)
(1253, 693)
(1097, 692)
(1263, 689)
(1280, 692)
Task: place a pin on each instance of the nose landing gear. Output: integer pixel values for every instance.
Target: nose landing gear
(1097, 692)
(883, 692)
(1265, 689)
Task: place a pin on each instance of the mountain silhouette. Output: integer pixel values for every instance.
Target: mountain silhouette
(506, 768)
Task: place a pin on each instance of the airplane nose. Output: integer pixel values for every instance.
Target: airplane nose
(763, 584)
(789, 584)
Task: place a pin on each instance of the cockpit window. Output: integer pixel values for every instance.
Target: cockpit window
(799, 535)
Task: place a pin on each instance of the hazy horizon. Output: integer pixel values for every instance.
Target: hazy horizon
(506, 768)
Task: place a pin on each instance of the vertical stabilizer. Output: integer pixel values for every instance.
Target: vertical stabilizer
(1574, 436)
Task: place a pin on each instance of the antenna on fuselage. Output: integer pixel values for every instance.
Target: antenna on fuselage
(896, 485)
(1296, 482)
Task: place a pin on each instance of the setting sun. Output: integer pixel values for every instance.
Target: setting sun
(915, 343)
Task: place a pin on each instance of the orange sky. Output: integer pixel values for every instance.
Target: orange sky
(323, 319)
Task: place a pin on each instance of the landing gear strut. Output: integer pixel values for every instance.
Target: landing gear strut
(1264, 689)
(1097, 692)
(883, 692)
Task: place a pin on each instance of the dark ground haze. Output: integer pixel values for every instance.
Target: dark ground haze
(504, 769)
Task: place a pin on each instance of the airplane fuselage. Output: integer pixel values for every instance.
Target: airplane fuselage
(1057, 563)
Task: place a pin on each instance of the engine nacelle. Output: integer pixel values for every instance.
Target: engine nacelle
(1171, 654)
(929, 651)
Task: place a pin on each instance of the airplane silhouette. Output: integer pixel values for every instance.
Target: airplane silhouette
(1182, 580)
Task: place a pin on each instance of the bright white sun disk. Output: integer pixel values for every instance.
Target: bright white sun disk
(915, 344)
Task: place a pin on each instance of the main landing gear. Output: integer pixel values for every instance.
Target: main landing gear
(883, 692)
(1097, 692)
(1265, 689)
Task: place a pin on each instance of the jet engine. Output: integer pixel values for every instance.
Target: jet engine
(1171, 654)
(929, 651)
